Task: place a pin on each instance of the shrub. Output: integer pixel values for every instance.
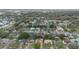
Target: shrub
(37, 45)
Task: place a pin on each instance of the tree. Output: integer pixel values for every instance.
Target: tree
(23, 37)
(3, 34)
(46, 36)
(49, 37)
(73, 30)
(11, 37)
(60, 45)
(37, 36)
(61, 36)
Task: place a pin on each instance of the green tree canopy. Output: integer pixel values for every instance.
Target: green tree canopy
(23, 35)
(3, 34)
